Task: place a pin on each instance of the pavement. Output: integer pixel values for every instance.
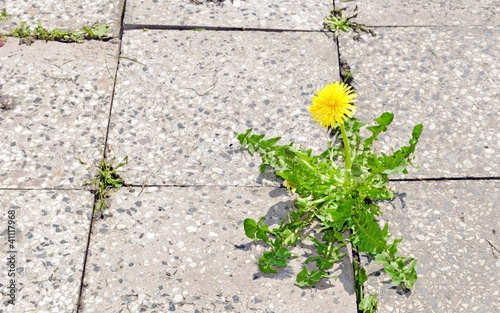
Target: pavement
(169, 98)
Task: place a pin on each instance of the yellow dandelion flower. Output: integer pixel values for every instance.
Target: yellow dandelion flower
(333, 104)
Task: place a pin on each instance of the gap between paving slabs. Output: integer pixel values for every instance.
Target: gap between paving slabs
(107, 180)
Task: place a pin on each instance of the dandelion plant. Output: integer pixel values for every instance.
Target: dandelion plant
(337, 189)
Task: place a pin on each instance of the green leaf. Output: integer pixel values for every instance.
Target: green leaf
(397, 168)
(381, 257)
(309, 278)
(368, 304)
(270, 142)
(322, 248)
(265, 263)
(412, 277)
(393, 249)
(250, 228)
(262, 168)
(361, 277)
(251, 149)
(122, 163)
(256, 231)
(284, 253)
(256, 138)
(314, 258)
(367, 235)
(98, 30)
(384, 120)
(278, 259)
(336, 216)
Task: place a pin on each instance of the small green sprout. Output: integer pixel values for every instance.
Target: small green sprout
(338, 21)
(97, 30)
(106, 182)
(3, 16)
(21, 32)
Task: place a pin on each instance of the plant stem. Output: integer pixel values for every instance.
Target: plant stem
(348, 161)
(346, 147)
(318, 200)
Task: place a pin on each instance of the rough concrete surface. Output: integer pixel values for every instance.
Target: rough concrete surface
(57, 98)
(278, 14)
(51, 234)
(445, 225)
(185, 249)
(66, 15)
(175, 117)
(446, 78)
(424, 13)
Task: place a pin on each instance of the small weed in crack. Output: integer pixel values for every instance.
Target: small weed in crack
(27, 36)
(338, 21)
(345, 72)
(3, 15)
(106, 182)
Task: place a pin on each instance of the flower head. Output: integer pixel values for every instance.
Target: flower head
(333, 104)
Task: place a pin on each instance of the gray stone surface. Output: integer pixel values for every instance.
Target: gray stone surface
(56, 104)
(446, 78)
(69, 15)
(175, 117)
(445, 225)
(51, 232)
(185, 249)
(425, 13)
(278, 14)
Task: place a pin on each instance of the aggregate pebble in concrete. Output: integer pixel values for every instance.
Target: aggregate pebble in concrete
(278, 14)
(69, 15)
(51, 232)
(445, 225)
(56, 99)
(446, 78)
(424, 13)
(175, 117)
(185, 249)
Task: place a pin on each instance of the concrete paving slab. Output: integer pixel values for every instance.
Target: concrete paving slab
(279, 14)
(424, 13)
(69, 15)
(57, 99)
(185, 249)
(445, 225)
(51, 232)
(175, 117)
(446, 78)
